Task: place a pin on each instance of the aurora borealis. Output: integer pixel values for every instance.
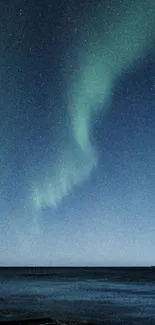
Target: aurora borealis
(77, 132)
(101, 61)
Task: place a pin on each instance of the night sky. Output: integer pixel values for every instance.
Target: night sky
(77, 132)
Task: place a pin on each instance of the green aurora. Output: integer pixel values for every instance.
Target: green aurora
(102, 61)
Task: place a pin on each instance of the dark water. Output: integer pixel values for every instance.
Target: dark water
(122, 295)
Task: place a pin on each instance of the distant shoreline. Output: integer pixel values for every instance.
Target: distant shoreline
(46, 321)
(74, 267)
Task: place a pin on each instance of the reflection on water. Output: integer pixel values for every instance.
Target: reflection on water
(80, 293)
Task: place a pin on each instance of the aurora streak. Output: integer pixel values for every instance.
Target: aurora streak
(102, 61)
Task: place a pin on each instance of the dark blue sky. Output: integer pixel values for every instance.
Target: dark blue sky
(77, 133)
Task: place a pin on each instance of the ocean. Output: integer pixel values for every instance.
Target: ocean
(116, 295)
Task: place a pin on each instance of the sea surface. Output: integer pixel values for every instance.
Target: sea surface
(121, 295)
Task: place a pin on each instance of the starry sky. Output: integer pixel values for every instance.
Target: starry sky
(77, 158)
